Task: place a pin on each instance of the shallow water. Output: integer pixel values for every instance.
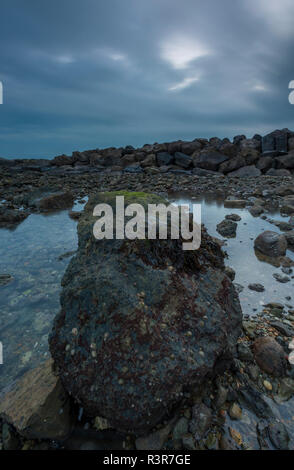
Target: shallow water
(30, 254)
(241, 255)
(29, 303)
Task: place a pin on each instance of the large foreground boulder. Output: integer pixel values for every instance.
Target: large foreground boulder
(141, 322)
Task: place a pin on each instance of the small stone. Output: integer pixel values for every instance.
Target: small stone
(5, 279)
(267, 385)
(256, 287)
(235, 411)
(278, 435)
(236, 436)
(249, 327)
(101, 424)
(234, 217)
(280, 278)
(201, 420)
(227, 228)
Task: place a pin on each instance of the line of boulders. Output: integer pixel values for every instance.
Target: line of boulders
(271, 155)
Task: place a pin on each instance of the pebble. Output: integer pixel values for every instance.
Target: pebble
(267, 385)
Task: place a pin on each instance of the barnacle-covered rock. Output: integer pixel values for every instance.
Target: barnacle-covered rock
(141, 321)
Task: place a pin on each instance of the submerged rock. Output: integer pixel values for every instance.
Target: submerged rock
(5, 279)
(141, 322)
(56, 201)
(11, 217)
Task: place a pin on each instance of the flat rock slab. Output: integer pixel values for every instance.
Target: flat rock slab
(37, 406)
(235, 203)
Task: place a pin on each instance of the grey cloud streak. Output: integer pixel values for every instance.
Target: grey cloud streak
(87, 74)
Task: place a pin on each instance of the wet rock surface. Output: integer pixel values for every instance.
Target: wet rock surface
(270, 356)
(227, 228)
(159, 334)
(271, 244)
(266, 400)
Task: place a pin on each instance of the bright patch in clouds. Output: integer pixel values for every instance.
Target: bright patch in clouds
(180, 51)
(259, 87)
(117, 57)
(184, 84)
(65, 59)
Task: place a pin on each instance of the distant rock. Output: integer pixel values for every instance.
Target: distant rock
(269, 356)
(276, 141)
(265, 163)
(205, 173)
(286, 161)
(61, 160)
(164, 158)
(210, 160)
(235, 203)
(183, 160)
(134, 169)
(278, 172)
(245, 172)
(232, 164)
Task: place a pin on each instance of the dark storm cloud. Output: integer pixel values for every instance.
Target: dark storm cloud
(87, 74)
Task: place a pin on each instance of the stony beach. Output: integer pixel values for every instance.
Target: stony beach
(151, 350)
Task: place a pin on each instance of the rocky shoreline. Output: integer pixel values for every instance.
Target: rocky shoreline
(272, 155)
(249, 403)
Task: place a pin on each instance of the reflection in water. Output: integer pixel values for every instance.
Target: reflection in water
(250, 267)
(30, 301)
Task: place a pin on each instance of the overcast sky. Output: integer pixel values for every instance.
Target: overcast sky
(81, 74)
